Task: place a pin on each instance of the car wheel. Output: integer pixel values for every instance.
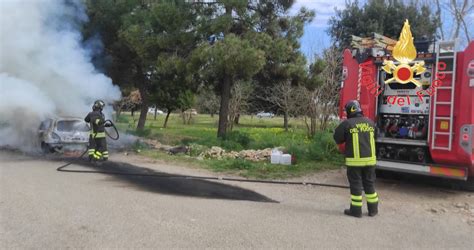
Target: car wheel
(45, 148)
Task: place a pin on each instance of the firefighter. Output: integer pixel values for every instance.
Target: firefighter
(358, 133)
(97, 143)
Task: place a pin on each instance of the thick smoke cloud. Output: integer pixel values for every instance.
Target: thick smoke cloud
(44, 69)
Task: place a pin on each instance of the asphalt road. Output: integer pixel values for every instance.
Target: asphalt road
(41, 208)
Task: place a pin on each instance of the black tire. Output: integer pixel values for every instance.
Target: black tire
(45, 148)
(388, 175)
(468, 185)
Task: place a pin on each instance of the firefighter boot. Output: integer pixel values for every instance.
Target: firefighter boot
(355, 211)
(373, 209)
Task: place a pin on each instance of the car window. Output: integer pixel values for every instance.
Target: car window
(45, 124)
(70, 126)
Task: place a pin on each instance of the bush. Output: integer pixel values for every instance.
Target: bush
(238, 137)
(298, 150)
(323, 148)
(196, 149)
(230, 145)
(188, 141)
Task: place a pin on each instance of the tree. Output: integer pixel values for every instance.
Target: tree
(318, 97)
(127, 102)
(308, 108)
(223, 64)
(384, 17)
(162, 35)
(115, 59)
(459, 11)
(327, 94)
(174, 91)
(208, 101)
(284, 62)
(284, 97)
(186, 101)
(270, 29)
(240, 94)
(140, 36)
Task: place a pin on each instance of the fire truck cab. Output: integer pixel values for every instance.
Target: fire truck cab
(425, 126)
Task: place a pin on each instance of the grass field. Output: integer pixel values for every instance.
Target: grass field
(312, 154)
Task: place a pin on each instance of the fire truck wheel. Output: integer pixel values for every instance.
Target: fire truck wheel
(389, 175)
(468, 185)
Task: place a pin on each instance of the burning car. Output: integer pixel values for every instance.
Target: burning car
(63, 134)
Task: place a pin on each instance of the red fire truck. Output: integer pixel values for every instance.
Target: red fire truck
(424, 128)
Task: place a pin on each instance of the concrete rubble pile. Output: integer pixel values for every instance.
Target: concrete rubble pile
(250, 155)
(217, 152)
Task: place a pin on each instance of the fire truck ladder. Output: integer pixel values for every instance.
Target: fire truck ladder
(446, 52)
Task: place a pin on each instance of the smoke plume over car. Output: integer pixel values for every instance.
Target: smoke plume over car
(44, 68)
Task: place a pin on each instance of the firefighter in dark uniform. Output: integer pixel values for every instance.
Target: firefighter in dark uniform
(97, 143)
(358, 133)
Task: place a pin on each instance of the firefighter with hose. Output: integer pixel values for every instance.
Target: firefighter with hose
(97, 149)
(358, 133)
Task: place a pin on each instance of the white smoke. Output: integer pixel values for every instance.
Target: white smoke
(44, 69)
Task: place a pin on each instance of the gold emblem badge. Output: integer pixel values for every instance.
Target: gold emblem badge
(404, 52)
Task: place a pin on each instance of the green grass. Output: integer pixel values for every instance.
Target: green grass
(312, 154)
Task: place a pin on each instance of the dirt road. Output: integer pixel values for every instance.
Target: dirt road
(43, 208)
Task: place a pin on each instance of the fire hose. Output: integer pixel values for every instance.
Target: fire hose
(116, 131)
(188, 177)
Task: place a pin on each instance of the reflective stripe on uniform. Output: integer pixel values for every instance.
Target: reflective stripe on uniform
(355, 145)
(356, 204)
(372, 198)
(372, 143)
(361, 162)
(97, 155)
(357, 161)
(91, 151)
(98, 135)
(356, 197)
(356, 200)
